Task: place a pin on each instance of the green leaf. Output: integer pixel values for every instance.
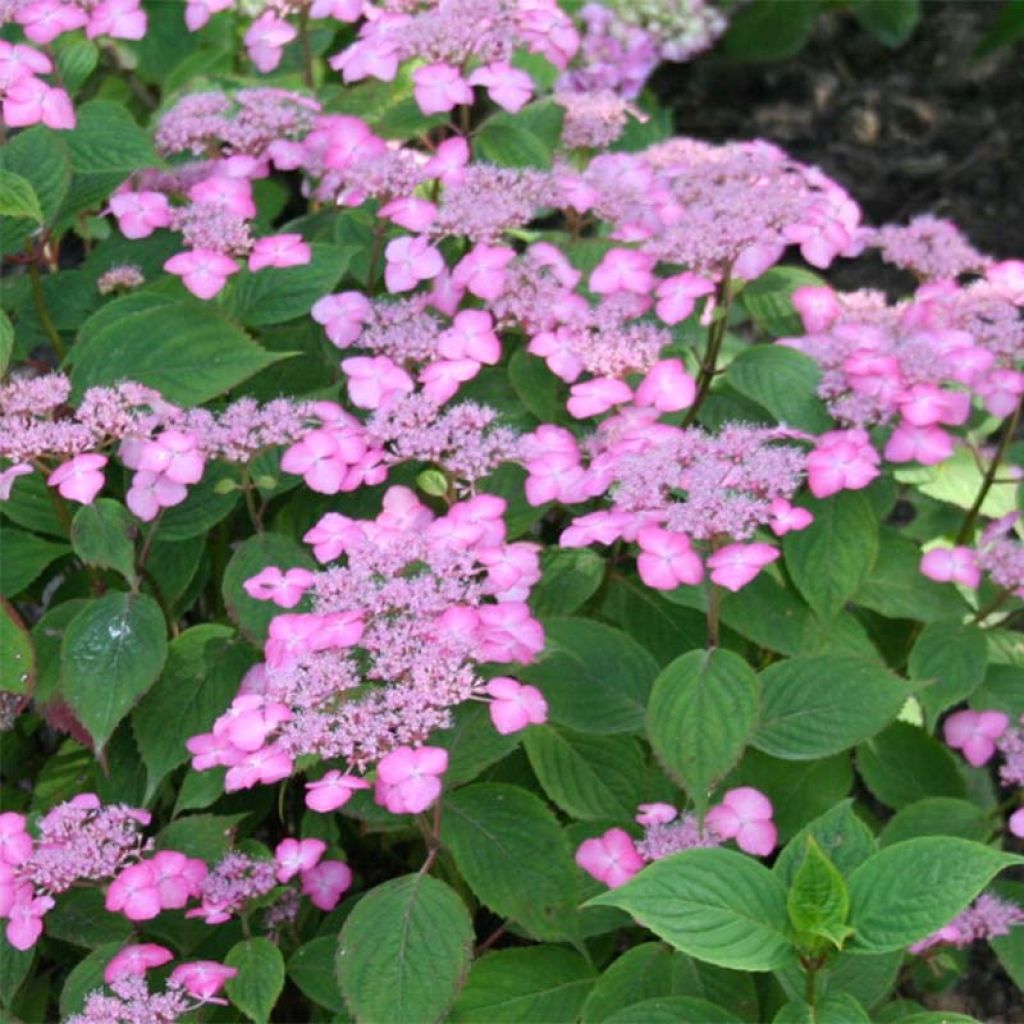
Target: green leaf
(76, 61)
(80, 917)
(204, 667)
(1006, 29)
(311, 968)
(818, 901)
(112, 653)
(17, 656)
(538, 389)
(107, 139)
(539, 983)
(85, 977)
(103, 534)
(830, 558)
(569, 578)
(31, 505)
(204, 836)
(703, 711)
(957, 480)
(783, 381)
(891, 22)
(404, 950)
(593, 778)
(18, 198)
(526, 139)
(260, 979)
(472, 743)
(6, 342)
(937, 816)
(907, 891)
(770, 29)
(15, 965)
(952, 659)
(181, 348)
(595, 678)
(251, 616)
(274, 295)
(904, 764)
(1010, 948)
(897, 589)
(673, 1010)
(40, 156)
(25, 556)
(509, 848)
(838, 833)
(714, 904)
(204, 507)
(813, 707)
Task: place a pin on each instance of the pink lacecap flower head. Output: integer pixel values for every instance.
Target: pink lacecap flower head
(515, 706)
(80, 479)
(325, 883)
(203, 979)
(332, 791)
(745, 814)
(655, 814)
(296, 855)
(735, 565)
(204, 272)
(974, 733)
(279, 251)
(612, 858)
(136, 959)
(952, 565)
(408, 779)
(667, 387)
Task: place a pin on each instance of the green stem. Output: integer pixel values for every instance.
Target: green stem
(997, 602)
(39, 299)
(307, 50)
(716, 332)
(986, 485)
(714, 614)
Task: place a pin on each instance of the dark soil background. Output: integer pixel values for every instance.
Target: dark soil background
(927, 128)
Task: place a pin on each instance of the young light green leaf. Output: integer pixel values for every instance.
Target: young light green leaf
(522, 986)
(838, 833)
(714, 904)
(816, 706)
(818, 901)
(702, 712)
(404, 951)
(18, 198)
(103, 534)
(829, 559)
(907, 891)
(515, 857)
(111, 654)
(260, 978)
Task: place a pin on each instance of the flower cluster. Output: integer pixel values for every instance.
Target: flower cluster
(987, 917)
(77, 841)
(744, 815)
(349, 680)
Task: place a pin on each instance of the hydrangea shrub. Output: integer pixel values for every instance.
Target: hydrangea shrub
(462, 559)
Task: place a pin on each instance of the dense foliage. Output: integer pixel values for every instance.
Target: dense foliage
(461, 558)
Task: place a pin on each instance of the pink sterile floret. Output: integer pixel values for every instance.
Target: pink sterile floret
(623, 270)
(15, 842)
(266, 38)
(952, 565)
(410, 259)
(325, 883)
(439, 88)
(818, 307)
(667, 387)
(334, 790)
(203, 979)
(507, 86)
(204, 272)
(593, 397)
(175, 455)
(515, 706)
(842, 460)
(655, 814)
(1016, 822)
(134, 893)
(279, 251)
(343, 316)
(974, 733)
(408, 780)
(667, 559)
(139, 214)
(285, 589)
(678, 295)
(136, 959)
(611, 858)
(296, 855)
(787, 517)
(745, 814)
(735, 565)
(471, 336)
(25, 918)
(483, 270)
(79, 479)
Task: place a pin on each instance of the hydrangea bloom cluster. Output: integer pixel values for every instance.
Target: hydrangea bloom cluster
(26, 98)
(745, 815)
(998, 554)
(77, 841)
(623, 41)
(190, 986)
(734, 483)
(348, 679)
(988, 917)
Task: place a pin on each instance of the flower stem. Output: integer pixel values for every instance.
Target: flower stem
(39, 299)
(716, 332)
